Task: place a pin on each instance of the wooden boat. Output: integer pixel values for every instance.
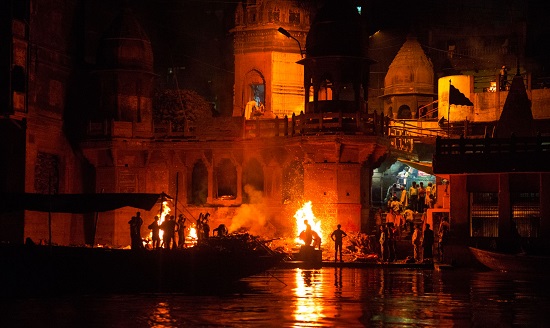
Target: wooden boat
(511, 262)
(33, 269)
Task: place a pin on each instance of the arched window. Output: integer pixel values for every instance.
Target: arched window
(18, 78)
(252, 15)
(239, 15)
(253, 182)
(226, 179)
(253, 91)
(274, 15)
(294, 16)
(199, 184)
(404, 112)
(325, 90)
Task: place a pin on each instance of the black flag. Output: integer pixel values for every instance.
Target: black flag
(458, 98)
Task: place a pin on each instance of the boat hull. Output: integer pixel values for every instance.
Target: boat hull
(40, 269)
(511, 262)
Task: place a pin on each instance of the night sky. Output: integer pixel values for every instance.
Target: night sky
(193, 35)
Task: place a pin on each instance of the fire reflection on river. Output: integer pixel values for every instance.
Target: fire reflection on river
(309, 296)
(326, 297)
(160, 316)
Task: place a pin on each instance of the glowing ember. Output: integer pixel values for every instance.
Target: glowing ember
(306, 213)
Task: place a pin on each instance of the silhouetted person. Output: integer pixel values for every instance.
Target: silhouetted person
(199, 228)
(428, 243)
(443, 237)
(382, 241)
(337, 236)
(135, 231)
(503, 78)
(316, 239)
(181, 231)
(155, 229)
(391, 232)
(169, 228)
(306, 235)
(416, 242)
(221, 230)
(205, 226)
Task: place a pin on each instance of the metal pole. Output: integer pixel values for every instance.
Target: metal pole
(449, 113)
(177, 188)
(95, 223)
(50, 210)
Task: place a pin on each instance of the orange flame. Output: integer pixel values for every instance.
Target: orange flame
(193, 232)
(305, 213)
(165, 210)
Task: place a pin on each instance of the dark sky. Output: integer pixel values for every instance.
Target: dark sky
(194, 34)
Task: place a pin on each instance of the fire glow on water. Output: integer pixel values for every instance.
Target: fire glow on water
(306, 213)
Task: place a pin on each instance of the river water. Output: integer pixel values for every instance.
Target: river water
(327, 297)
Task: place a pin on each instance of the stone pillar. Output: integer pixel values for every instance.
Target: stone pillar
(239, 198)
(210, 197)
(504, 206)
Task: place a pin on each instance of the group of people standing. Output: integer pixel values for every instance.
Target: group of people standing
(417, 198)
(169, 227)
(422, 240)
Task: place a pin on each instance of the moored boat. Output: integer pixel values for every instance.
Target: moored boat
(38, 269)
(511, 262)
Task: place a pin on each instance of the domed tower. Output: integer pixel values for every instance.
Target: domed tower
(409, 83)
(336, 67)
(265, 60)
(125, 83)
(125, 72)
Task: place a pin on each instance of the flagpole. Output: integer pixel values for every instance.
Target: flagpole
(449, 112)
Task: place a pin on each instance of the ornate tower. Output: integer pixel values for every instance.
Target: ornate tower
(117, 143)
(340, 153)
(336, 67)
(265, 60)
(409, 83)
(125, 73)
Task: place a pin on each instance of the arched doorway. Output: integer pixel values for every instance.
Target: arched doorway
(253, 182)
(404, 112)
(199, 184)
(226, 179)
(253, 91)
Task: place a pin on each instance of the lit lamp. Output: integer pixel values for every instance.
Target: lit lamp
(288, 35)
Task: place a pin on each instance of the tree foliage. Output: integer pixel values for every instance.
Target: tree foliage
(177, 106)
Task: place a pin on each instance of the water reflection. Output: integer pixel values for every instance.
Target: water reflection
(160, 316)
(308, 308)
(328, 297)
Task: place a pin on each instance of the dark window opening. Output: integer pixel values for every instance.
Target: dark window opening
(46, 173)
(199, 184)
(484, 214)
(404, 112)
(18, 79)
(294, 16)
(226, 178)
(253, 182)
(526, 213)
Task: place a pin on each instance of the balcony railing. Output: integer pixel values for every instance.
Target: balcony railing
(317, 123)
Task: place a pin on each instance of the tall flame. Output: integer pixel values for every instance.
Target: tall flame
(306, 213)
(164, 211)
